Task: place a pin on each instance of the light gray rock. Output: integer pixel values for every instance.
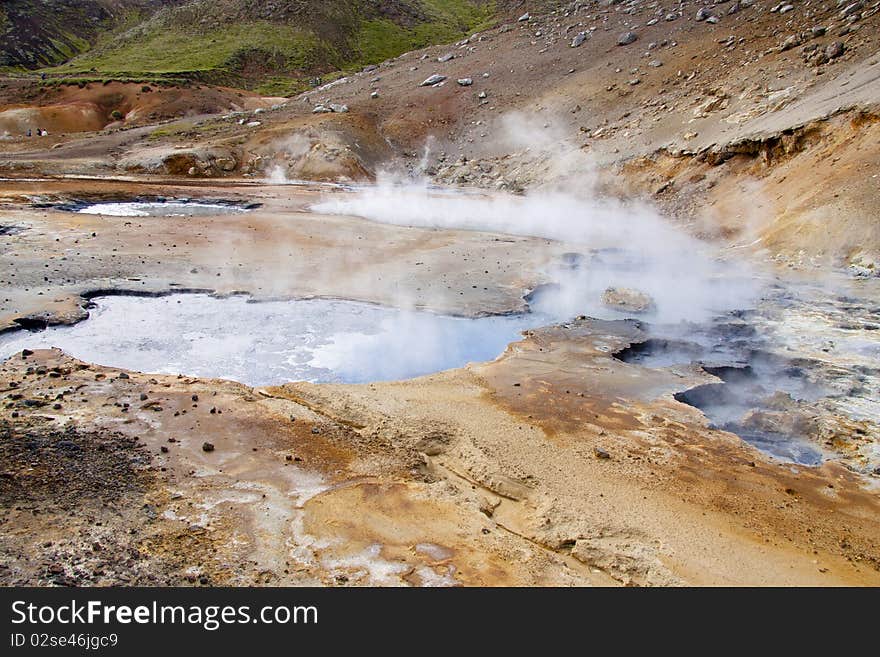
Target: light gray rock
(465, 82)
(627, 38)
(432, 80)
(578, 39)
(445, 58)
(628, 300)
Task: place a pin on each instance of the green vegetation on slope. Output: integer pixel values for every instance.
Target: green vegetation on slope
(276, 46)
(36, 33)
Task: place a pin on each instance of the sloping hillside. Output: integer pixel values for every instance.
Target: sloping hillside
(39, 33)
(277, 44)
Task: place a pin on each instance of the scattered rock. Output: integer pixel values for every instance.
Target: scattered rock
(434, 79)
(835, 49)
(207, 447)
(792, 41)
(627, 38)
(445, 58)
(524, 17)
(601, 453)
(578, 39)
(703, 13)
(465, 82)
(628, 299)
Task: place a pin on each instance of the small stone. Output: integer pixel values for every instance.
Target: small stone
(601, 453)
(143, 396)
(123, 375)
(445, 58)
(627, 299)
(375, 94)
(524, 17)
(316, 430)
(207, 447)
(195, 398)
(465, 82)
(703, 13)
(627, 38)
(26, 352)
(432, 80)
(163, 449)
(835, 49)
(784, 9)
(578, 39)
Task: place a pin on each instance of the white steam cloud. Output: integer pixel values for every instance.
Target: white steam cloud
(613, 243)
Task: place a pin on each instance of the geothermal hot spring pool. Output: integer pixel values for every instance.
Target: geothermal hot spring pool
(788, 360)
(158, 208)
(273, 342)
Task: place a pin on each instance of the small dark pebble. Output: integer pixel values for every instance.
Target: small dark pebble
(207, 447)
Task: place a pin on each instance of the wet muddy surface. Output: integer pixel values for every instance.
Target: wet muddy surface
(273, 342)
(798, 373)
(153, 207)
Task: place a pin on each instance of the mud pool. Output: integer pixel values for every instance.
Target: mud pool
(274, 342)
(157, 208)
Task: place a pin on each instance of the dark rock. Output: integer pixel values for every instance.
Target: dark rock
(835, 50)
(67, 445)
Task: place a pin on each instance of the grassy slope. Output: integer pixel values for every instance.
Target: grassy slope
(278, 55)
(36, 33)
